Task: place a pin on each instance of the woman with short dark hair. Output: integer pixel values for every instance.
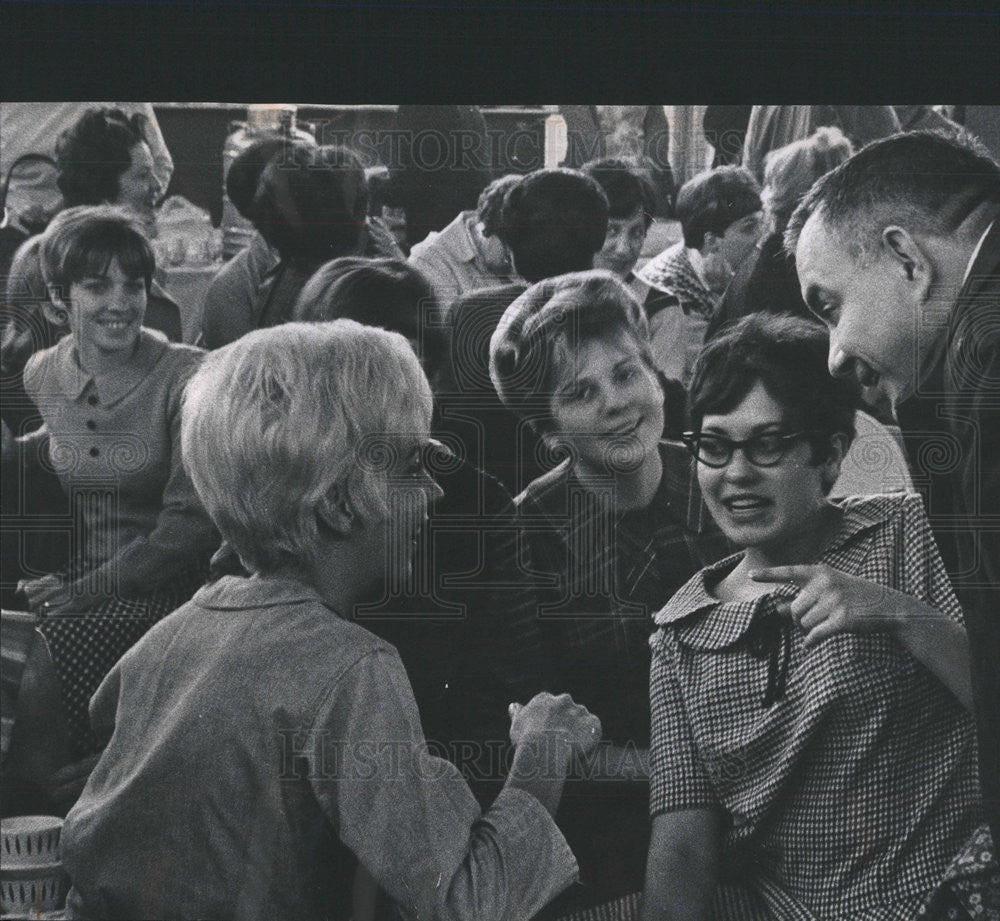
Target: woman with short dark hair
(109, 393)
(608, 535)
(630, 214)
(720, 215)
(105, 159)
(812, 750)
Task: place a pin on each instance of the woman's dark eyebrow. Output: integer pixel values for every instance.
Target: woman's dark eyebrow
(757, 429)
(574, 384)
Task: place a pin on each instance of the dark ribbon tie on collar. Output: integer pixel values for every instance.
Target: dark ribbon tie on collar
(770, 637)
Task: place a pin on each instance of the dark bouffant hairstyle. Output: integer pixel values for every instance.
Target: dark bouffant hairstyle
(94, 152)
(378, 292)
(244, 172)
(788, 356)
(627, 185)
(713, 200)
(554, 221)
(311, 202)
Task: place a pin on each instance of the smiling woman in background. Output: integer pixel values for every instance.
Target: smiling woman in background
(105, 159)
(812, 753)
(109, 394)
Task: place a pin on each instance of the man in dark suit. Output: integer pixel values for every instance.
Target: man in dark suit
(553, 222)
(898, 253)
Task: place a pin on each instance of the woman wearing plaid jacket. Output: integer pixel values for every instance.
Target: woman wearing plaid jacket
(812, 752)
(606, 537)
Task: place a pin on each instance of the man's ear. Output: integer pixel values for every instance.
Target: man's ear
(903, 249)
(56, 310)
(710, 243)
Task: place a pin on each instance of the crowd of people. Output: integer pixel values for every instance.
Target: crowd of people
(504, 568)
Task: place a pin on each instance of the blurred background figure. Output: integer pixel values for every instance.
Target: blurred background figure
(238, 282)
(445, 161)
(468, 254)
(309, 205)
(925, 118)
(771, 127)
(766, 280)
(631, 203)
(721, 215)
(639, 133)
(384, 205)
(725, 129)
(28, 491)
(31, 324)
(34, 127)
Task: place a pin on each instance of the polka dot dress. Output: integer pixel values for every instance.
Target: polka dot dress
(84, 647)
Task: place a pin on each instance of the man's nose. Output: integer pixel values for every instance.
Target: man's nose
(848, 366)
(841, 362)
(837, 360)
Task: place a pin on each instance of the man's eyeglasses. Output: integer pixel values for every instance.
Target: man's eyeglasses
(765, 450)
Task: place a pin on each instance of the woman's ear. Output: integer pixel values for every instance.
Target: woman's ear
(334, 513)
(56, 310)
(839, 444)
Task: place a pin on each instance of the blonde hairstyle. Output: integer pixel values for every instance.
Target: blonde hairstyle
(790, 171)
(277, 422)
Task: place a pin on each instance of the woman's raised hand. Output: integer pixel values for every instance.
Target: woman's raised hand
(831, 602)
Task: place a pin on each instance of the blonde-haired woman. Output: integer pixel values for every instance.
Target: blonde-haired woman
(266, 757)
